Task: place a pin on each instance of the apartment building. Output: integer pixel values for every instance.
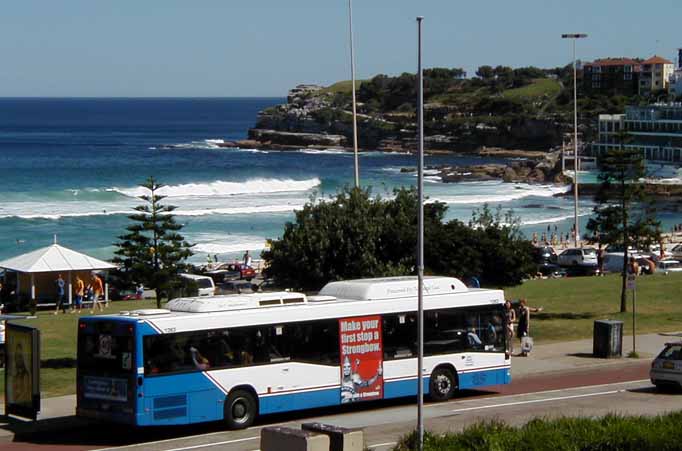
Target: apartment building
(655, 129)
(611, 76)
(655, 75)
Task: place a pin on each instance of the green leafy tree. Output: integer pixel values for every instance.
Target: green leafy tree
(354, 236)
(349, 236)
(152, 251)
(485, 72)
(623, 216)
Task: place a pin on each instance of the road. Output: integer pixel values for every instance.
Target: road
(592, 392)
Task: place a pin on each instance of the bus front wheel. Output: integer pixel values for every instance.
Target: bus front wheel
(442, 384)
(240, 409)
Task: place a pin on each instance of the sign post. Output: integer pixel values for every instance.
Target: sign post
(631, 284)
(22, 371)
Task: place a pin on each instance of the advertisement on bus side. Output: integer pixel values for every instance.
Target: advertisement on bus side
(361, 359)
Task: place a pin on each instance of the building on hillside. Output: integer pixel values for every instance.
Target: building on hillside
(609, 76)
(655, 75)
(654, 129)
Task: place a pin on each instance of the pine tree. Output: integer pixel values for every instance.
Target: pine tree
(152, 252)
(623, 215)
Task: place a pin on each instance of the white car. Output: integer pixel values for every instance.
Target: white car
(578, 256)
(666, 369)
(205, 284)
(667, 266)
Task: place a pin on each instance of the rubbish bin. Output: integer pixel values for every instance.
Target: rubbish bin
(607, 339)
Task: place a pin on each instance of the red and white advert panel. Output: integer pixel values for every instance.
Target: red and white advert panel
(361, 359)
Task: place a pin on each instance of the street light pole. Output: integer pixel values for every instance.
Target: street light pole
(355, 117)
(576, 228)
(420, 240)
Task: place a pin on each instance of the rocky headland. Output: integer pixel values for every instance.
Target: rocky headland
(318, 117)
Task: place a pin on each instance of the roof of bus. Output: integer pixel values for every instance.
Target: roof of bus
(219, 311)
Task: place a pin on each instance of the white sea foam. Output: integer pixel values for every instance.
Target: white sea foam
(518, 191)
(325, 152)
(240, 210)
(56, 216)
(223, 188)
(210, 243)
(552, 219)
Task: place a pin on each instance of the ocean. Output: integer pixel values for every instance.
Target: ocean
(72, 168)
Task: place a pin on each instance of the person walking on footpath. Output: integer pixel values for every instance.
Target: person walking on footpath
(59, 286)
(510, 314)
(523, 330)
(80, 291)
(97, 290)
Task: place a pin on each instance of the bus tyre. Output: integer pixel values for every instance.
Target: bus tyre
(442, 385)
(240, 409)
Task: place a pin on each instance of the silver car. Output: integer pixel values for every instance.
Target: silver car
(578, 256)
(666, 369)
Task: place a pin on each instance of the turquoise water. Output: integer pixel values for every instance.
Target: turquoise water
(71, 167)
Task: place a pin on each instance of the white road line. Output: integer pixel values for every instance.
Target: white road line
(382, 444)
(532, 401)
(518, 395)
(206, 445)
(158, 442)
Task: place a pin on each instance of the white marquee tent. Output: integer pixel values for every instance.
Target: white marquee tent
(38, 270)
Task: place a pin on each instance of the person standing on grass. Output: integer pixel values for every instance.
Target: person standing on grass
(524, 322)
(59, 286)
(97, 290)
(510, 314)
(80, 291)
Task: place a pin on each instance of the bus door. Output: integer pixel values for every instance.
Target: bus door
(106, 370)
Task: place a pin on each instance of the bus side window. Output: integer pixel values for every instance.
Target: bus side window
(399, 335)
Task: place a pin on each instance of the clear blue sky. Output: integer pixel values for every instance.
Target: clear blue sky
(263, 47)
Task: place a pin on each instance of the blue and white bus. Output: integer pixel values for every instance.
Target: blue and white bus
(235, 357)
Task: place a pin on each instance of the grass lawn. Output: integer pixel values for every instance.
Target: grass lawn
(570, 307)
(539, 88)
(342, 86)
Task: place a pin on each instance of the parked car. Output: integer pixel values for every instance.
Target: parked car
(668, 266)
(545, 258)
(231, 271)
(234, 286)
(205, 285)
(578, 256)
(613, 261)
(666, 369)
(676, 251)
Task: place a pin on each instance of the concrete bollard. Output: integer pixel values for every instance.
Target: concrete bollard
(278, 438)
(341, 439)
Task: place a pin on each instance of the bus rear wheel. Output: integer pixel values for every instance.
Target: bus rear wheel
(240, 409)
(442, 385)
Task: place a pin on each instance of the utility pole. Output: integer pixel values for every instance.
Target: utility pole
(576, 228)
(355, 114)
(420, 240)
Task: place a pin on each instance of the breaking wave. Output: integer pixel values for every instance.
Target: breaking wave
(223, 188)
(519, 192)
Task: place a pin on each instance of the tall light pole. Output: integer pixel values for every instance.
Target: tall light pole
(576, 228)
(355, 115)
(420, 239)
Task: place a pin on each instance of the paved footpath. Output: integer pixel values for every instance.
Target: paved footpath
(549, 366)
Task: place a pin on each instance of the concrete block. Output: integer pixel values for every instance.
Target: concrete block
(278, 438)
(341, 439)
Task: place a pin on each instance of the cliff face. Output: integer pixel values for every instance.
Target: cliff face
(315, 114)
